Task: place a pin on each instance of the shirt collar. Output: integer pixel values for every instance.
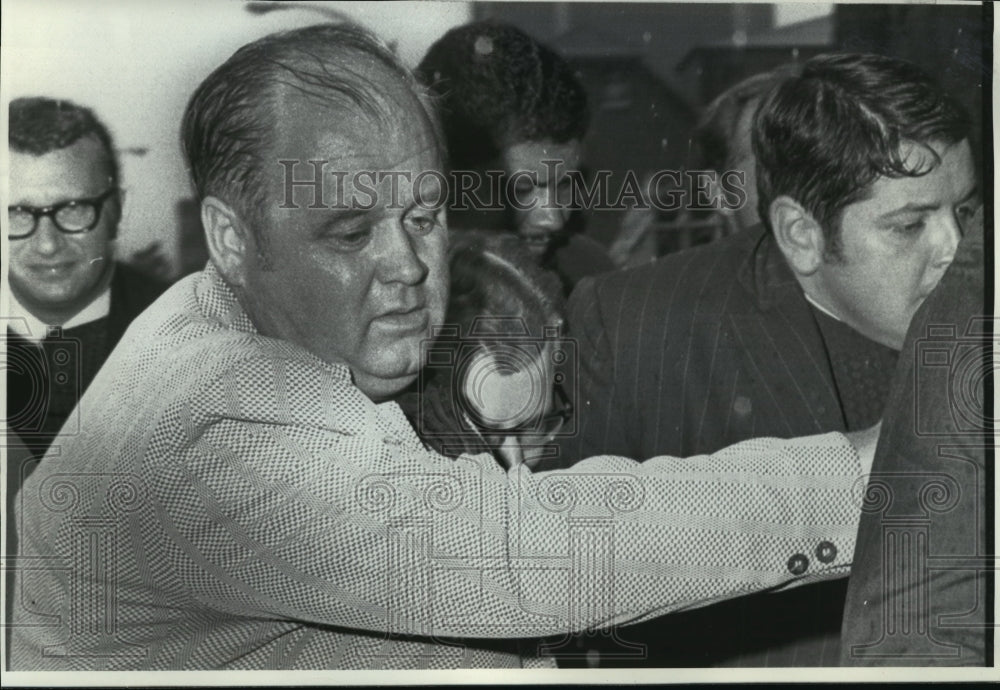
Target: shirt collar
(820, 307)
(766, 274)
(30, 327)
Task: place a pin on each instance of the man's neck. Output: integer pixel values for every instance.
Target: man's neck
(814, 297)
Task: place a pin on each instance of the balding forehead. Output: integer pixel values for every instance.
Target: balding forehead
(388, 125)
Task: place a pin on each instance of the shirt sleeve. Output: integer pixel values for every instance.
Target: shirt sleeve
(357, 527)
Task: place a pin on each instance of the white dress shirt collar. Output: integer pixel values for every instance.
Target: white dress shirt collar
(28, 326)
(821, 307)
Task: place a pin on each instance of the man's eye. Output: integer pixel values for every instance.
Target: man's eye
(421, 224)
(910, 228)
(354, 239)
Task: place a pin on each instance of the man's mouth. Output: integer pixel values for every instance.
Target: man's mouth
(403, 319)
(52, 270)
(537, 241)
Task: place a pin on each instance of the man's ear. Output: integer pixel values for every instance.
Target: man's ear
(226, 236)
(798, 235)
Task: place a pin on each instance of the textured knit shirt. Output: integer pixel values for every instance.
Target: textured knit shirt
(231, 501)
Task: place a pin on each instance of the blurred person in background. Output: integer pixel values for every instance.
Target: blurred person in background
(509, 103)
(720, 142)
(66, 204)
(722, 139)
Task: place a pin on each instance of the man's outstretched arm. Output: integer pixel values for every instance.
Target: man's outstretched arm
(335, 536)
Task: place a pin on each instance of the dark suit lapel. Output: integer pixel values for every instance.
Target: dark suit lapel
(782, 344)
(121, 298)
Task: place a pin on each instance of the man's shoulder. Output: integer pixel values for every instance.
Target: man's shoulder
(704, 271)
(198, 312)
(194, 345)
(584, 256)
(175, 327)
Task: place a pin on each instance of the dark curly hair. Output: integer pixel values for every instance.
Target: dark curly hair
(496, 86)
(825, 136)
(40, 125)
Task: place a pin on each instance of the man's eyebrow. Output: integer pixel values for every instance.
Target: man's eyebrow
(432, 199)
(339, 213)
(920, 208)
(336, 216)
(909, 208)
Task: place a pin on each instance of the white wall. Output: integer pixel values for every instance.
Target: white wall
(137, 63)
(792, 12)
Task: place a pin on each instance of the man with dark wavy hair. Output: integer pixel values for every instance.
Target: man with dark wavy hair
(865, 178)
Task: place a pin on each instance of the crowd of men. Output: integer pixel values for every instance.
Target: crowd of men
(230, 482)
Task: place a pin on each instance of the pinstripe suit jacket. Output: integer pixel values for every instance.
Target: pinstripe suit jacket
(692, 353)
(698, 351)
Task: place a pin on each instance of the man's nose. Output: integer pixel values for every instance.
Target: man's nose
(401, 260)
(548, 214)
(946, 239)
(48, 239)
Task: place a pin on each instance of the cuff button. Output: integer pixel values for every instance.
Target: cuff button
(826, 552)
(798, 564)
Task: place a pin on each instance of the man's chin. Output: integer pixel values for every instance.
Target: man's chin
(383, 386)
(63, 297)
(536, 249)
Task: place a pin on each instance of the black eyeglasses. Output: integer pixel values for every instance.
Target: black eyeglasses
(71, 217)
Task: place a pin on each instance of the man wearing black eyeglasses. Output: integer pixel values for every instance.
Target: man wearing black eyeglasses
(70, 301)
